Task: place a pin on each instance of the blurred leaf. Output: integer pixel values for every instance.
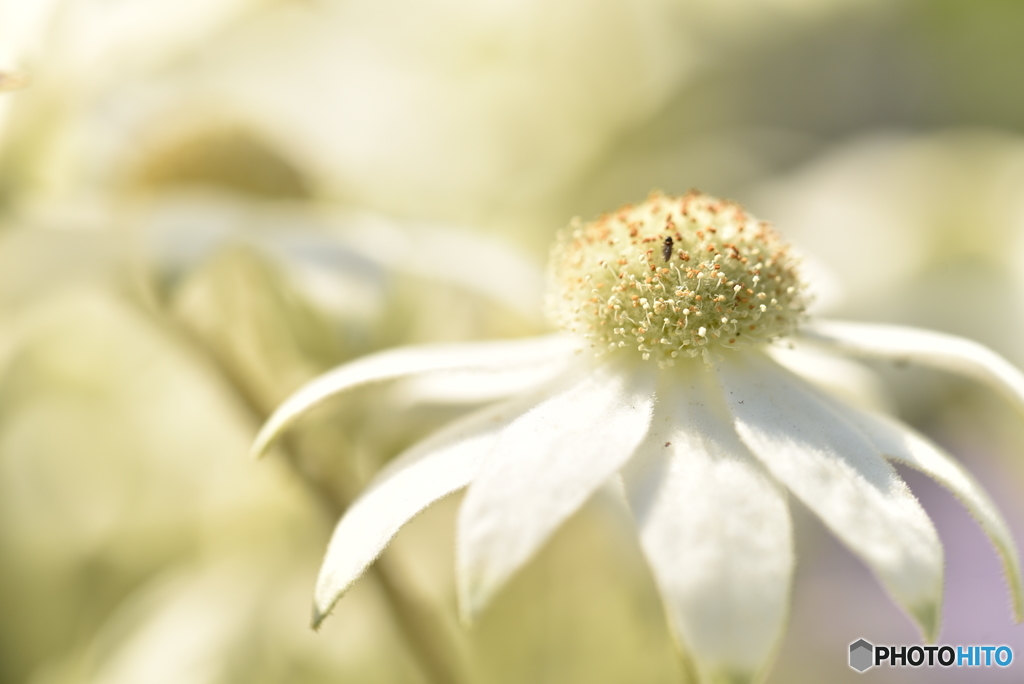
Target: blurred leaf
(118, 450)
(238, 619)
(243, 310)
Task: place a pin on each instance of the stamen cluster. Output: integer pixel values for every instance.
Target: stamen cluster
(675, 276)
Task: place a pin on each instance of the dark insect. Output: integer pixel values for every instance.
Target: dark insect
(666, 249)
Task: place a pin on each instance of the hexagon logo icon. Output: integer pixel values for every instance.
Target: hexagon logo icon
(861, 653)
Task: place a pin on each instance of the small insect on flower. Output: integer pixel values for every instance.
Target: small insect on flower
(666, 248)
(709, 433)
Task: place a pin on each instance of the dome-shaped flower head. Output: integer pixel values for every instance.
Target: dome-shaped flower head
(667, 382)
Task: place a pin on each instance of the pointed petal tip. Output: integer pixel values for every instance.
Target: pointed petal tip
(494, 357)
(1012, 576)
(928, 616)
(831, 465)
(258, 449)
(267, 435)
(1014, 582)
(1016, 596)
(543, 468)
(472, 601)
(901, 444)
(318, 617)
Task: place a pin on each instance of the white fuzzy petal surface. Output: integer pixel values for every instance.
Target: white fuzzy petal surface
(837, 376)
(484, 359)
(425, 473)
(923, 347)
(834, 469)
(715, 528)
(900, 443)
(544, 466)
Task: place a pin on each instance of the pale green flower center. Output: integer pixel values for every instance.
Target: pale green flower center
(675, 276)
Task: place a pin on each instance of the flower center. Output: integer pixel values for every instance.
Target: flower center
(675, 276)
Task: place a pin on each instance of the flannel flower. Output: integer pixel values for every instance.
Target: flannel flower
(670, 384)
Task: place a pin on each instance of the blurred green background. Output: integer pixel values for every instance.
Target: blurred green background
(205, 203)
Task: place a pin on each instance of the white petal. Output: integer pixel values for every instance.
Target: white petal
(474, 385)
(837, 472)
(544, 467)
(715, 528)
(836, 375)
(925, 347)
(425, 473)
(499, 358)
(900, 443)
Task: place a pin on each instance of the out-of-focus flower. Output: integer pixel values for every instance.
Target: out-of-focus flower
(77, 53)
(490, 115)
(684, 406)
(445, 109)
(939, 217)
(230, 617)
(201, 312)
(120, 450)
(147, 343)
(277, 293)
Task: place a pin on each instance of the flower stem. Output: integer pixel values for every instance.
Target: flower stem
(429, 630)
(430, 633)
(431, 636)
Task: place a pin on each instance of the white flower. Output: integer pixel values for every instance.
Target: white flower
(927, 209)
(707, 432)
